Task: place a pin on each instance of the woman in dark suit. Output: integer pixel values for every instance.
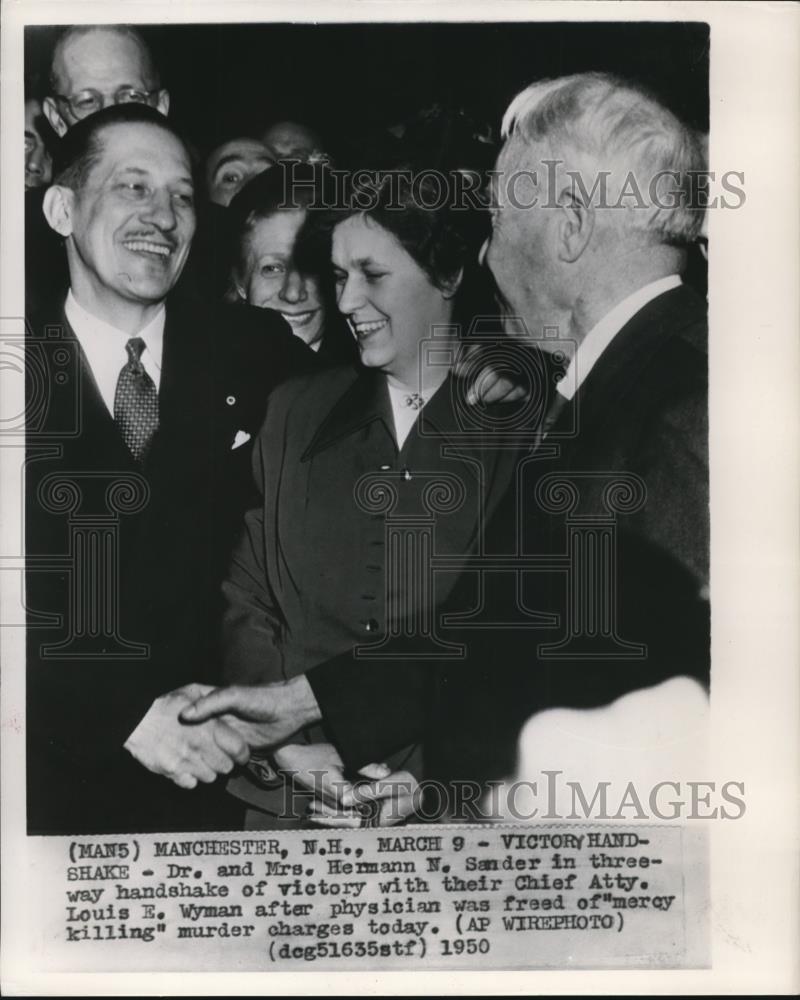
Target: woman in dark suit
(366, 470)
(275, 263)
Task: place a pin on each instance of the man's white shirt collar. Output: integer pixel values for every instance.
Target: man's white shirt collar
(600, 336)
(104, 347)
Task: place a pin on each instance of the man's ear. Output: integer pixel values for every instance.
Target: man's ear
(575, 228)
(163, 102)
(58, 207)
(57, 123)
(452, 284)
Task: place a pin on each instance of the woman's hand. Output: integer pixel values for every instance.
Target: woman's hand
(393, 795)
(316, 767)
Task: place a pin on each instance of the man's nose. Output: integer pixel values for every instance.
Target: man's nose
(161, 211)
(484, 251)
(294, 286)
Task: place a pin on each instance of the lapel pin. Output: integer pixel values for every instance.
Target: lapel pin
(230, 400)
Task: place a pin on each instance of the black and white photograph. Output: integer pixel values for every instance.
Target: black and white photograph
(393, 567)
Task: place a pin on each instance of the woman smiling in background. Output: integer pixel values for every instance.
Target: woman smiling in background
(276, 262)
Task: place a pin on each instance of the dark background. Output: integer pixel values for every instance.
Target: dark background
(347, 79)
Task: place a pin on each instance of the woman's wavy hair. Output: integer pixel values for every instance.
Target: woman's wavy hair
(418, 207)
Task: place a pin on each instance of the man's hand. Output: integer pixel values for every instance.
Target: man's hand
(395, 795)
(263, 714)
(185, 753)
(489, 386)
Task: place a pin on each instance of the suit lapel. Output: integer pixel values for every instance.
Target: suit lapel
(438, 417)
(622, 363)
(442, 423)
(99, 437)
(186, 398)
(365, 401)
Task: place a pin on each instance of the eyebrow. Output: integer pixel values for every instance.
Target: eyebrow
(367, 262)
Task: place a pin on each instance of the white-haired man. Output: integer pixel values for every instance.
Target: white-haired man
(592, 204)
(591, 221)
(592, 217)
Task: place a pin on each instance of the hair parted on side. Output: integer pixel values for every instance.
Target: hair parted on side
(596, 122)
(79, 149)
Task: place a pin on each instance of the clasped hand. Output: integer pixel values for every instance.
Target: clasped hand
(269, 714)
(337, 802)
(191, 735)
(186, 752)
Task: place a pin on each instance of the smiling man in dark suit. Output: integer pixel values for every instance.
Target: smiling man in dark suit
(137, 476)
(592, 216)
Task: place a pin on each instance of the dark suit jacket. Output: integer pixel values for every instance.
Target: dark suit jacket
(642, 411)
(46, 271)
(129, 559)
